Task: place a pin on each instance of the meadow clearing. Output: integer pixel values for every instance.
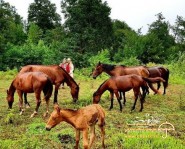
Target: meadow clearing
(136, 130)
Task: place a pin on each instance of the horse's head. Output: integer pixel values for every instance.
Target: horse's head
(96, 98)
(98, 70)
(75, 92)
(55, 118)
(10, 99)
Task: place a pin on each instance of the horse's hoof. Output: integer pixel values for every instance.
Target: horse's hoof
(35, 113)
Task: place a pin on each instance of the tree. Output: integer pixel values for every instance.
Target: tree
(43, 13)
(88, 24)
(157, 42)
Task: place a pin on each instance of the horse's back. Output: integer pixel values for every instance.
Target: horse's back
(53, 71)
(138, 70)
(29, 81)
(93, 113)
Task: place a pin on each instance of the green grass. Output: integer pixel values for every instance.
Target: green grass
(23, 132)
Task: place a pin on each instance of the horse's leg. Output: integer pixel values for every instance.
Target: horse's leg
(20, 93)
(47, 108)
(124, 98)
(111, 99)
(142, 97)
(77, 138)
(56, 93)
(165, 86)
(136, 93)
(38, 101)
(27, 105)
(119, 101)
(158, 85)
(85, 138)
(92, 136)
(152, 87)
(102, 135)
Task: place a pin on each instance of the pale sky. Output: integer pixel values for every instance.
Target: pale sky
(136, 13)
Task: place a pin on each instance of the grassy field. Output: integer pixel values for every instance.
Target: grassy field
(123, 129)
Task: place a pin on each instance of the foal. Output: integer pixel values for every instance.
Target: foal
(81, 120)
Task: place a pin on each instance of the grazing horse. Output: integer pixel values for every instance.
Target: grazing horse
(124, 84)
(81, 120)
(30, 82)
(58, 75)
(159, 71)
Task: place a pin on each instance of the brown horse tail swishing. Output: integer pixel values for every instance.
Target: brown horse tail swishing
(154, 80)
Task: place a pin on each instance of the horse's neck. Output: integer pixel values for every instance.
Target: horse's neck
(69, 116)
(102, 88)
(110, 72)
(12, 89)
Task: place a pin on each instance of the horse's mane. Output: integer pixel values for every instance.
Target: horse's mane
(67, 75)
(110, 67)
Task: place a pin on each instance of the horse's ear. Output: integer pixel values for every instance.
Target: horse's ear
(57, 108)
(7, 91)
(99, 63)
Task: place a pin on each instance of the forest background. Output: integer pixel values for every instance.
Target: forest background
(88, 35)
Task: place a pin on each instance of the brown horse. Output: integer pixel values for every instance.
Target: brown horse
(120, 70)
(58, 75)
(30, 82)
(159, 71)
(124, 84)
(81, 120)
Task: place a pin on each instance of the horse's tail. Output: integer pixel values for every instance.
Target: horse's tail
(154, 80)
(48, 89)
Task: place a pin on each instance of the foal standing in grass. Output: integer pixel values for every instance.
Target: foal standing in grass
(81, 120)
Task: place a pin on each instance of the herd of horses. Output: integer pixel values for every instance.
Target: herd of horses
(38, 78)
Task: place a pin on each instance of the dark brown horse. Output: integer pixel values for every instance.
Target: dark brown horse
(30, 82)
(58, 75)
(124, 84)
(159, 71)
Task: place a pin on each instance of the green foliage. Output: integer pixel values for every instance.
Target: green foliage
(102, 56)
(86, 31)
(43, 13)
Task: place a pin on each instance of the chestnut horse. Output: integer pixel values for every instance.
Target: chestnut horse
(120, 70)
(124, 84)
(30, 82)
(81, 120)
(159, 71)
(58, 75)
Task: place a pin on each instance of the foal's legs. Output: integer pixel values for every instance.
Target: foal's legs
(102, 135)
(77, 138)
(92, 136)
(85, 138)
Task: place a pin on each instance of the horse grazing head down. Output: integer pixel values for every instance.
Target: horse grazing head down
(97, 71)
(96, 98)
(10, 99)
(74, 93)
